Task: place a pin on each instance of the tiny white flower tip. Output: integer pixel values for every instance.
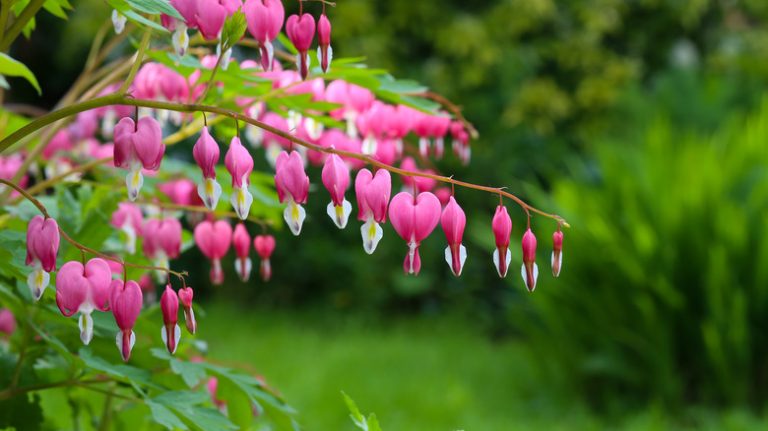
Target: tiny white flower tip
(496, 262)
(294, 215)
(210, 192)
(118, 21)
(85, 322)
(339, 214)
(241, 201)
(243, 268)
(462, 259)
(38, 280)
(372, 234)
(134, 180)
(524, 273)
(119, 342)
(557, 263)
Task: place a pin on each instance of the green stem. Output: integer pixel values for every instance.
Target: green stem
(4, 8)
(117, 99)
(136, 63)
(12, 392)
(21, 21)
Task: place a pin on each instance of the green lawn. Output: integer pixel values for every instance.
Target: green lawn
(415, 373)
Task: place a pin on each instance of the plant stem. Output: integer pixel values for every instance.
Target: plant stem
(136, 63)
(82, 247)
(198, 209)
(21, 21)
(116, 99)
(77, 169)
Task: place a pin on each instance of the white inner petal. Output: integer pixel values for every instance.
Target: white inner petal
(38, 280)
(372, 234)
(241, 200)
(294, 216)
(209, 191)
(134, 180)
(85, 322)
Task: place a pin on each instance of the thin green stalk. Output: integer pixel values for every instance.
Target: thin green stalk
(136, 63)
(4, 8)
(21, 21)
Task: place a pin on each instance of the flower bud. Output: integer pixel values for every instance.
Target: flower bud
(170, 332)
(453, 222)
(529, 270)
(557, 252)
(185, 296)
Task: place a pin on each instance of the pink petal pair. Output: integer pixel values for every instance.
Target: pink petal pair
(453, 222)
(324, 50)
(206, 154)
(373, 192)
(264, 19)
(557, 252)
(185, 296)
(336, 180)
(239, 163)
(83, 288)
(126, 301)
(137, 145)
(292, 185)
(502, 229)
(242, 243)
(301, 30)
(129, 220)
(213, 239)
(265, 246)
(414, 218)
(42, 249)
(170, 332)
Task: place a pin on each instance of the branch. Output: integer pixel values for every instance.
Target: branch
(82, 247)
(116, 99)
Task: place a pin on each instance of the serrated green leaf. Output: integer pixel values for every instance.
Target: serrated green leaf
(11, 67)
(57, 8)
(233, 30)
(165, 416)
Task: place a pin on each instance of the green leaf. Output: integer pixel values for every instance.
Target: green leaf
(143, 21)
(191, 372)
(122, 372)
(57, 8)
(354, 412)
(155, 7)
(11, 67)
(165, 416)
(233, 30)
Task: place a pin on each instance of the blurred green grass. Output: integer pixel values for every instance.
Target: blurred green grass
(416, 373)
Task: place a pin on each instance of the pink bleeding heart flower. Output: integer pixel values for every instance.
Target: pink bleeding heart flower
(242, 242)
(557, 252)
(187, 9)
(301, 30)
(414, 218)
(210, 16)
(206, 154)
(529, 270)
(421, 184)
(170, 332)
(444, 194)
(373, 192)
(185, 296)
(7, 322)
(264, 19)
(502, 229)
(128, 218)
(239, 163)
(292, 185)
(324, 51)
(162, 241)
(264, 245)
(126, 301)
(453, 222)
(336, 180)
(138, 145)
(213, 239)
(181, 192)
(42, 249)
(83, 288)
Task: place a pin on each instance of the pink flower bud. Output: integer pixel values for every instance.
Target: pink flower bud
(126, 301)
(292, 185)
(185, 295)
(502, 229)
(324, 51)
(213, 240)
(242, 243)
(170, 332)
(136, 146)
(206, 154)
(414, 218)
(42, 249)
(453, 222)
(301, 31)
(7, 322)
(239, 163)
(264, 245)
(557, 252)
(529, 270)
(336, 180)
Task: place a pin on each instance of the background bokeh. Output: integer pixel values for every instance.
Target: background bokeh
(644, 123)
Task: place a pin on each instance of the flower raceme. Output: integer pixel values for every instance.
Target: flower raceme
(170, 332)
(138, 145)
(242, 243)
(336, 180)
(301, 30)
(265, 246)
(529, 270)
(502, 229)
(239, 163)
(414, 218)
(206, 154)
(42, 249)
(214, 239)
(373, 192)
(453, 222)
(125, 300)
(83, 288)
(292, 185)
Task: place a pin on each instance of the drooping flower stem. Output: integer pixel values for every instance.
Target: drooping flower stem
(82, 247)
(117, 99)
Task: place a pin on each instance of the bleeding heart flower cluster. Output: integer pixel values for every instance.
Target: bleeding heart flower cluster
(214, 239)
(96, 285)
